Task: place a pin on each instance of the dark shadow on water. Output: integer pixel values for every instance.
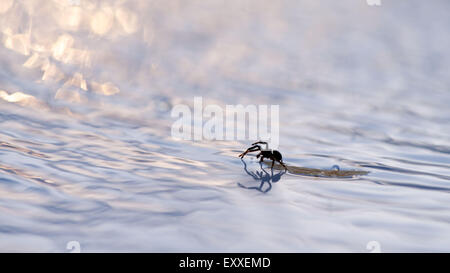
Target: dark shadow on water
(263, 176)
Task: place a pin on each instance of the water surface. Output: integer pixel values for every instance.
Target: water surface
(85, 147)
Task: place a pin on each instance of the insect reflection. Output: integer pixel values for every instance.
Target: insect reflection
(263, 176)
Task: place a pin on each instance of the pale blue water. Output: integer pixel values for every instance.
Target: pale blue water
(86, 153)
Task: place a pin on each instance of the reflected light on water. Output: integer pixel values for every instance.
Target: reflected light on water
(61, 46)
(55, 47)
(5, 5)
(18, 97)
(77, 81)
(69, 95)
(20, 43)
(127, 19)
(102, 21)
(35, 61)
(106, 89)
(71, 18)
(51, 72)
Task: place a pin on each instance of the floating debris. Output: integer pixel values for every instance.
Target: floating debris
(318, 172)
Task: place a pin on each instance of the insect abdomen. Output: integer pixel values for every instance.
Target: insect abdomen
(277, 155)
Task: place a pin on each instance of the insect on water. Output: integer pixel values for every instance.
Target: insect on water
(273, 155)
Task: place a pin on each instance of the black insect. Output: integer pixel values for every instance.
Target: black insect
(273, 155)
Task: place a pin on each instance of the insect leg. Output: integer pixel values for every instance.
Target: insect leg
(251, 149)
